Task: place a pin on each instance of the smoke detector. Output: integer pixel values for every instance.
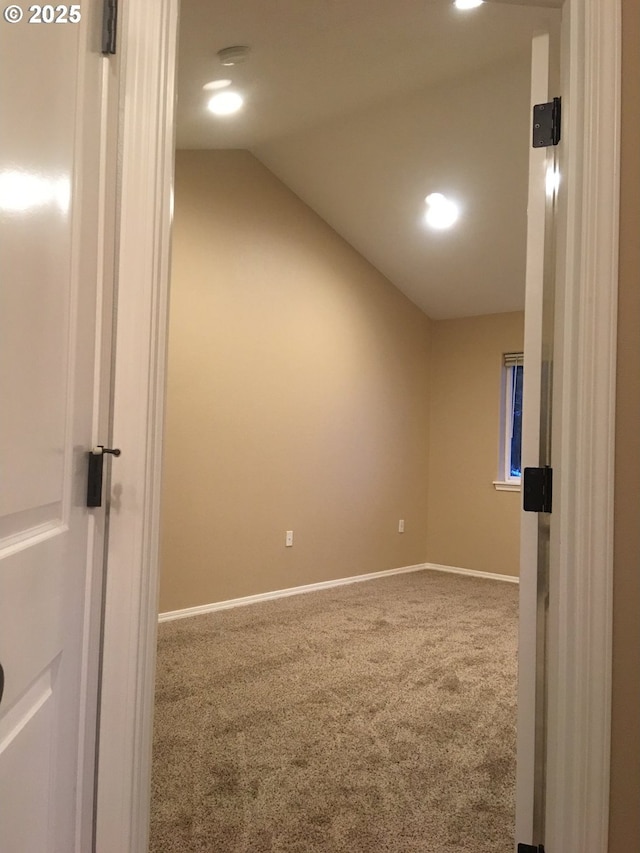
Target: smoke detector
(233, 55)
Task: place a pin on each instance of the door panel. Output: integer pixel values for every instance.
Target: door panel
(26, 735)
(51, 151)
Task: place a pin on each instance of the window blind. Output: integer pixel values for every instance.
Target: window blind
(513, 359)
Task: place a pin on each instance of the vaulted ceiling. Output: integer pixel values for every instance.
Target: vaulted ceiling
(363, 107)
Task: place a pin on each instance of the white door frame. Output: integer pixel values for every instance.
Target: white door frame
(581, 578)
(147, 40)
(581, 616)
(543, 50)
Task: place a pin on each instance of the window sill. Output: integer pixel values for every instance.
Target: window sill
(504, 486)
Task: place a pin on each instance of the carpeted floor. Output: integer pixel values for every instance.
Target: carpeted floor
(372, 718)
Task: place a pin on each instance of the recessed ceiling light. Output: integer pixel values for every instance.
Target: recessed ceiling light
(216, 84)
(441, 213)
(468, 4)
(225, 103)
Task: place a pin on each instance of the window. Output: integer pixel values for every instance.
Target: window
(511, 423)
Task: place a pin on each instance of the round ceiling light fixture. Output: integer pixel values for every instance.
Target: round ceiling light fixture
(441, 212)
(225, 103)
(468, 4)
(234, 55)
(216, 84)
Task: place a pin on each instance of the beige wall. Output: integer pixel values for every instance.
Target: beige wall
(624, 834)
(467, 517)
(298, 396)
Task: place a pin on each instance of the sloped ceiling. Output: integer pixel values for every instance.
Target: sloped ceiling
(363, 107)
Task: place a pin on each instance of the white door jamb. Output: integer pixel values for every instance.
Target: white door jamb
(147, 41)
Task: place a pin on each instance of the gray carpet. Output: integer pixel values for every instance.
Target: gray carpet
(372, 718)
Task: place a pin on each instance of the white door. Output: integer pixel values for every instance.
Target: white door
(51, 98)
(536, 452)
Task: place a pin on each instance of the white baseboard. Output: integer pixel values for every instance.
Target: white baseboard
(283, 593)
(473, 573)
(170, 615)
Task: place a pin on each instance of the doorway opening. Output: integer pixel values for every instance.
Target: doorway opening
(302, 381)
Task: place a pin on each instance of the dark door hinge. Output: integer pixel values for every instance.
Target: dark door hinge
(94, 473)
(537, 488)
(109, 26)
(547, 123)
(530, 848)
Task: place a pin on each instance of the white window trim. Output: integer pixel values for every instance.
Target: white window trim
(507, 485)
(505, 482)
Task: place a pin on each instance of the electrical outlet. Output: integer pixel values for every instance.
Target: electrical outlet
(401, 526)
(288, 539)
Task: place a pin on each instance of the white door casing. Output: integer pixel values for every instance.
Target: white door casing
(579, 692)
(580, 600)
(147, 41)
(52, 218)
